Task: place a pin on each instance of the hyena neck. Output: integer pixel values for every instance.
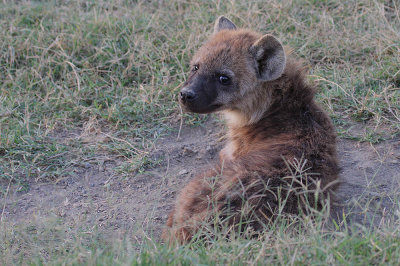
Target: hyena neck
(287, 94)
(263, 118)
(251, 110)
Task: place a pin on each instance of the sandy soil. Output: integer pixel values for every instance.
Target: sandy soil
(139, 206)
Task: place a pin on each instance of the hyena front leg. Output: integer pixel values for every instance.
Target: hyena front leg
(194, 206)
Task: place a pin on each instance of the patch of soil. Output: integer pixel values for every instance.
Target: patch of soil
(370, 176)
(139, 206)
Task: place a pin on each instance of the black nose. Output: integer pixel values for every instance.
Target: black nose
(187, 96)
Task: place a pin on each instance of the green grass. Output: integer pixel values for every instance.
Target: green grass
(72, 73)
(119, 65)
(297, 240)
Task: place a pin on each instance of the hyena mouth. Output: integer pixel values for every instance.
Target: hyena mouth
(192, 108)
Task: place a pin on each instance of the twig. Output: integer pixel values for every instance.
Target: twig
(388, 104)
(123, 140)
(76, 75)
(180, 126)
(5, 198)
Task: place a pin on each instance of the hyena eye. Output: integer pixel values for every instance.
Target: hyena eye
(195, 68)
(224, 80)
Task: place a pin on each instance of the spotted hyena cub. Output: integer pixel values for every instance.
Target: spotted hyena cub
(281, 148)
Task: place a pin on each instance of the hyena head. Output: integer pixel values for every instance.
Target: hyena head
(230, 70)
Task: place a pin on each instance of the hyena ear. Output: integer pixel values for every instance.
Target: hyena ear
(270, 57)
(222, 23)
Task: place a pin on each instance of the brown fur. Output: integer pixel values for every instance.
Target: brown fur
(271, 124)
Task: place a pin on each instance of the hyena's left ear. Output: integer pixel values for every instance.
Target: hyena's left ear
(222, 23)
(269, 56)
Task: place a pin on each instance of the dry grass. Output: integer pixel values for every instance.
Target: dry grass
(79, 78)
(120, 65)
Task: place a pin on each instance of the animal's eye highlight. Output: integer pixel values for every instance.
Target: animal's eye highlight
(195, 68)
(224, 80)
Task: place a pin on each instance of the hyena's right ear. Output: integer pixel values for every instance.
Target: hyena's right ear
(222, 23)
(269, 56)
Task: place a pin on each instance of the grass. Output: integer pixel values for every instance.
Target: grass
(89, 79)
(318, 248)
(117, 66)
(308, 238)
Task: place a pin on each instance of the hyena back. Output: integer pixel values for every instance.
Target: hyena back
(273, 123)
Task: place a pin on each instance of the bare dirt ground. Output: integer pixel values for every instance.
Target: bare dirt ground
(138, 207)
